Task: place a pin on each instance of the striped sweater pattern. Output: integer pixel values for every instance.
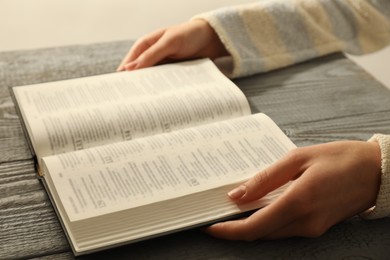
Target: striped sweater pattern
(271, 34)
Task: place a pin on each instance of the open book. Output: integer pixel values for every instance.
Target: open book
(133, 155)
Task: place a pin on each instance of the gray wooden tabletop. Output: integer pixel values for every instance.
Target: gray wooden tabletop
(323, 100)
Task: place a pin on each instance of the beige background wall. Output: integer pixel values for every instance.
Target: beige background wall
(28, 24)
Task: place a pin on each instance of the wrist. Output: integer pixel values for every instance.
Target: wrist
(214, 48)
(382, 205)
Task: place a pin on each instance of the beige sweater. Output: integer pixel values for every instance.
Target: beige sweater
(271, 34)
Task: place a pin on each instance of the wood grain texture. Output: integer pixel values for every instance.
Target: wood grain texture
(28, 225)
(323, 100)
(318, 101)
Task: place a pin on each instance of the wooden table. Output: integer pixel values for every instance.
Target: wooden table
(319, 101)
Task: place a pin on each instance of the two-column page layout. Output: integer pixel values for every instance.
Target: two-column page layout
(132, 155)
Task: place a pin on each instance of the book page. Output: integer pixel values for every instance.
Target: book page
(86, 112)
(124, 175)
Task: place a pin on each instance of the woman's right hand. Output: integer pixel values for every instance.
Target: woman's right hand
(193, 39)
(331, 182)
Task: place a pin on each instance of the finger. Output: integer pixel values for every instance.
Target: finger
(156, 53)
(279, 173)
(127, 59)
(259, 225)
(300, 228)
(139, 47)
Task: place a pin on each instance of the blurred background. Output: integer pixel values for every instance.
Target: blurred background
(29, 24)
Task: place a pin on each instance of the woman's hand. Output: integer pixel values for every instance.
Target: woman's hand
(194, 39)
(332, 182)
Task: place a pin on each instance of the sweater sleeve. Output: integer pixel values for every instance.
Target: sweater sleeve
(382, 206)
(271, 34)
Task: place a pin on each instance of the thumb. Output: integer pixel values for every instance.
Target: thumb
(276, 175)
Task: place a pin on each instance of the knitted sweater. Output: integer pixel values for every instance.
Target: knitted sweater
(271, 34)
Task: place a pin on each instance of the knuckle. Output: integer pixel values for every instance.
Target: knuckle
(296, 155)
(261, 178)
(300, 205)
(171, 39)
(167, 41)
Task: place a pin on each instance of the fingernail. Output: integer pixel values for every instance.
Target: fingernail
(120, 68)
(237, 193)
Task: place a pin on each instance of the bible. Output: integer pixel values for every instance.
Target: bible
(129, 156)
